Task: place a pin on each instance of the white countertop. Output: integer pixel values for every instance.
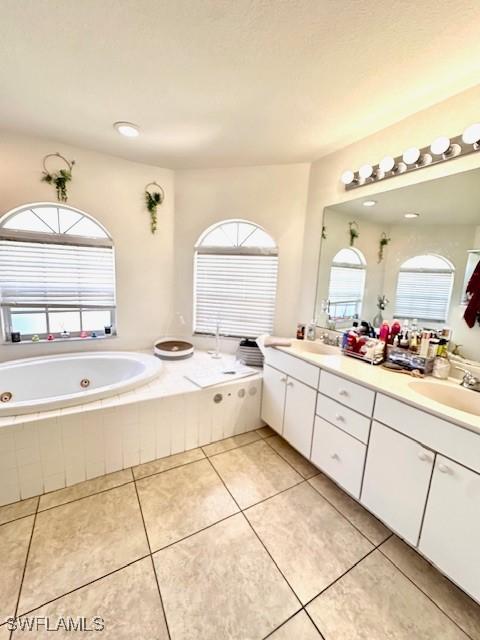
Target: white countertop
(391, 383)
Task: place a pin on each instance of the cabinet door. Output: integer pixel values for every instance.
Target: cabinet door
(451, 530)
(273, 400)
(299, 416)
(397, 477)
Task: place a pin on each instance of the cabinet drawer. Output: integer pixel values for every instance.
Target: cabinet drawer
(293, 366)
(346, 419)
(339, 455)
(445, 437)
(349, 393)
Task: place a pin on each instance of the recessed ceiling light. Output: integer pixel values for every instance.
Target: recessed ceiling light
(411, 215)
(127, 129)
(369, 203)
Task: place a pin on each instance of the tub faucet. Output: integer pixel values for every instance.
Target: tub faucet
(469, 381)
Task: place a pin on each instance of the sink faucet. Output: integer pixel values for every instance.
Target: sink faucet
(329, 340)
(469, 381)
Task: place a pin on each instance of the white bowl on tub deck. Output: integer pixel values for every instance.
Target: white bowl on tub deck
(53, 382)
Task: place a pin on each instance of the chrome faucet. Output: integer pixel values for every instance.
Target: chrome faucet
(469, 381)
(333, 341)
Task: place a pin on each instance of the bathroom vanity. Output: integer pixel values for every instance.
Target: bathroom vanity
(387, 441)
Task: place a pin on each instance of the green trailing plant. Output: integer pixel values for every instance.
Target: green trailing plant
(353, 231)
(383, 242)
(382, 302)
(153, 199)
(324, 232)
(59, 178)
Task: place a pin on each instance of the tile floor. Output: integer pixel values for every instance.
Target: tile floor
(242, 539)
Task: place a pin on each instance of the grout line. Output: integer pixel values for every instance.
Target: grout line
(250, 506)
(424, 592)
(151, 558)
(90, 495)
(240, 446)
(288, 461)
(10, 504)
(322, 637)
(183, 464)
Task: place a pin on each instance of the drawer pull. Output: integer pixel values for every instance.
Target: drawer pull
(335, 456)
(424, 457)
(343, 392)
(444, 469)
(339, 418)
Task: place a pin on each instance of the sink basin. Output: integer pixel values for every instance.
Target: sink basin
(451, 396)
(306, 346)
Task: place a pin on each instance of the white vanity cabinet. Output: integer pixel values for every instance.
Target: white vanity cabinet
(299, 415)
(273, 398)
(451, 530)
(396, 480)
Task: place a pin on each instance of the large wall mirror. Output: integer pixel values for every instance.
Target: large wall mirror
(416, 248)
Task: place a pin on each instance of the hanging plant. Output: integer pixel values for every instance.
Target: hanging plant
(354, 232)
(324, 232)
(384, 241)
(152, 200)
(60, 178)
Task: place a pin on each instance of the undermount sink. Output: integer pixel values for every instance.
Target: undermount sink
(454, 397)
(307, 346)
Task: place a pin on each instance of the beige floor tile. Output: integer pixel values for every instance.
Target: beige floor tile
(299, 627)
(18, 510)
(182, 501)
(170, 462)
(231, 443)
(4, 633)
(254, 472)
(374, 601)
(372, 528)
(309, 540)
(221, 583)
(83, 489)
(82, 541)
(266, 432)
(14, 540)
(127, 600)
(298, 462)
(456, 604)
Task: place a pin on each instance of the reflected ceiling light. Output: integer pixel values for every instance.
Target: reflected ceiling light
(365, 171)
(411, 215)
(369, 203)
(348, 177)
(127, 129)
(387, 164)
(471, 135)
(411, 155)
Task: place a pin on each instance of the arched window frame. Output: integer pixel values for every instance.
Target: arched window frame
(346, 285)
(91, 308)
(424, 293)
(244, 275)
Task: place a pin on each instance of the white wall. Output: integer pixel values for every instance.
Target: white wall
(111, 190)
(274, 197)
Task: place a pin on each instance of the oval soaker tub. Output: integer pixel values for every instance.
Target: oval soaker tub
(52, 382)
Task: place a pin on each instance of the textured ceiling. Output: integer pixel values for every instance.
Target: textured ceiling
(229, 82)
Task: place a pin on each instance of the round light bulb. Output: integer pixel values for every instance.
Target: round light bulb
(369, 203)
(411, 215)
(440, 146)
(471, 135)
(365, 171)
(387, 164)
(347, 177)
(127, 129)
(411, 155)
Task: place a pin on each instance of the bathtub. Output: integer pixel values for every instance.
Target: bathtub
(41, 384)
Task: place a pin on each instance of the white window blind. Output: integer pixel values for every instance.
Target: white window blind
(347, 283)
(423, 295)
(56, 275)
(237, 290)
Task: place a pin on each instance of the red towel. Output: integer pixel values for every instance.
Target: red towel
(473, 307)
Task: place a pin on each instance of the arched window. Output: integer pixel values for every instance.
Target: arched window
(424, 288)
(235, 280)
(57, 272)
(347, 283)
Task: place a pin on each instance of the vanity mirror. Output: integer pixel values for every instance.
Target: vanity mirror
(405, 254)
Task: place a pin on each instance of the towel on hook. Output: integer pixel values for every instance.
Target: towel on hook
(473, 290)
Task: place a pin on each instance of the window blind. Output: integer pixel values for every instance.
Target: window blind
(423, 295)
(36, 274)
(345, 291)
(237, 290)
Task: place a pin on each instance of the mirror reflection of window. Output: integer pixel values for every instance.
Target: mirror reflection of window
(424, 288)
(347, 284)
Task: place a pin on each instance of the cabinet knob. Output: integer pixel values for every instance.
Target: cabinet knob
(343, 392)
(290, 384)
(339, 417)
(283, 379)
(335, 456)
(444, 469)
(424, 456)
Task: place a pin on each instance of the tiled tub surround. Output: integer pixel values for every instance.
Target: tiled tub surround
(47, 451)
(172, 549)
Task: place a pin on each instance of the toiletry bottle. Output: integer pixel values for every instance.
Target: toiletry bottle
(312, 330)
(424, 344)
(396, 328)
(300, 331)
(384, 332)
